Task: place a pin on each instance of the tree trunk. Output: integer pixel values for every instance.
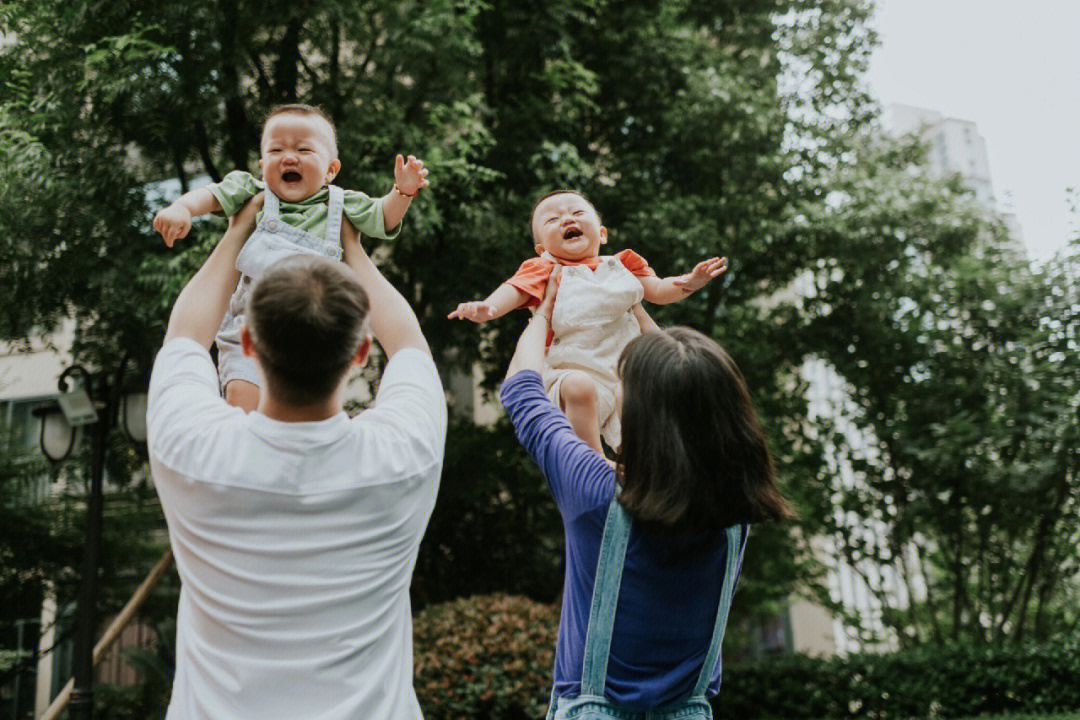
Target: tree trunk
(237, 128)
(287, 67)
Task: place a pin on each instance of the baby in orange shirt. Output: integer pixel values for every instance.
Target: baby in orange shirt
(597, 310)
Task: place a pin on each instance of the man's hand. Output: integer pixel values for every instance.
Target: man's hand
(245, 217)
(700, 276)
(202, 303)
(478, 311)
(410, 175)
(173, 222)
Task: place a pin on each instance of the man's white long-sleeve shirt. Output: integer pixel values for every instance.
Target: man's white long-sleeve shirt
(295, 543)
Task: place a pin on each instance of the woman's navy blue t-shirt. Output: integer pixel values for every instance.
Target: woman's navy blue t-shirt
(666, 610)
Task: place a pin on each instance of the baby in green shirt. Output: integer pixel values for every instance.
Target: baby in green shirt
(301, 213)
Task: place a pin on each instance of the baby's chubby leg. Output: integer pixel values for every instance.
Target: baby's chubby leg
(242, 394)
(577, 398)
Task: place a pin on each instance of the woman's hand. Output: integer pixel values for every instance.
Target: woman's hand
(532, 346)
(547, 305)
(644, 321)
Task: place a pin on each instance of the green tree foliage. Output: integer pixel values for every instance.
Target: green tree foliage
(679, 118)
(959, 362)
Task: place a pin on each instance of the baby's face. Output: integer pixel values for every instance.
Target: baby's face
(298, 156)
(567, 226)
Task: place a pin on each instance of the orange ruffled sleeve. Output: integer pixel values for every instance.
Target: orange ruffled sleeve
(531, 278)
(632, 262)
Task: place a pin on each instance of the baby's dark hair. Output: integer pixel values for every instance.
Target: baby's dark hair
(553, 193)
(302, 109)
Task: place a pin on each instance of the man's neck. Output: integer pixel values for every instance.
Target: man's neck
(285, 412)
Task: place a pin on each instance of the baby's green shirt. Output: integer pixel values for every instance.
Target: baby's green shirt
(309, 214)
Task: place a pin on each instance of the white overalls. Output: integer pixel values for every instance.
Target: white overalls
(272, 240)
(592, 322)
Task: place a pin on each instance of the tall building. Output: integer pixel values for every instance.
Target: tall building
(956, 148)
(867, 589)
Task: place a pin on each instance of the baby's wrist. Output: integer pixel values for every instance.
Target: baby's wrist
(181, 205)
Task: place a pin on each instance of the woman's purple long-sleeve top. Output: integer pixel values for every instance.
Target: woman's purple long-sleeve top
(666, 609)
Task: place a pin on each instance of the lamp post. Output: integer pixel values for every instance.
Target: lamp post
(61, 423)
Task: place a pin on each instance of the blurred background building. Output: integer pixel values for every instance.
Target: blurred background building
(955, 148)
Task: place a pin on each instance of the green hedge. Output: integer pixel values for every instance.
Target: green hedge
(490, 657)
(952, 681)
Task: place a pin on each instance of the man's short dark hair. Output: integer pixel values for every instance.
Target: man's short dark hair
(302, 109)
(306, 317)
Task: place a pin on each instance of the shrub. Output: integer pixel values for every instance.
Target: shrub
(950, 681)
(484, 657)
(490, 658)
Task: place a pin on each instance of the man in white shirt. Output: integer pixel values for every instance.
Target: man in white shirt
(295, 528)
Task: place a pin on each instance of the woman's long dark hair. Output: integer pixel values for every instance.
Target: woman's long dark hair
(694, 459)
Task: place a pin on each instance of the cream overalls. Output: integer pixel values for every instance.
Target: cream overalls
(592, 322)
(272, 240)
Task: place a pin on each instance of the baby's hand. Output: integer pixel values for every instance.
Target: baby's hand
(410, 175)
(702, 273)
(173, 222)
(477, 311)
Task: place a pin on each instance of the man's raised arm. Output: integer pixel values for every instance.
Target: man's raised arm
(392, 319)
(202, 303)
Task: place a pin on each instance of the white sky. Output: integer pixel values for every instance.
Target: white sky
(1013, 68)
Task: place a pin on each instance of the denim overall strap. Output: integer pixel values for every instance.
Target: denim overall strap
(335, 207)
(731, 567)
(271, 204)
(605, 597)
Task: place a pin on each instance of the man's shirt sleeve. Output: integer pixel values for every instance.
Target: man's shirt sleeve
(183, 402)
(411, 403)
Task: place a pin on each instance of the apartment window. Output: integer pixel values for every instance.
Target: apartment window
(18, 426)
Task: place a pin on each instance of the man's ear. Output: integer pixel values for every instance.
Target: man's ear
(539, 249)
(332, 171)
(603, 235)
(361, 357)
(247, 345)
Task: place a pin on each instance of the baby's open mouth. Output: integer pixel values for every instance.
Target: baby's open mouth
(571, 232)
(291, 176)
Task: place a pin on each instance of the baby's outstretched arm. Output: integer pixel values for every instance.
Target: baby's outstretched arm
(410, 177)
(672, 289)
(174, 221)
(503, 300)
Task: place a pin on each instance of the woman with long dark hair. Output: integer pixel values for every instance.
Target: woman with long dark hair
(654, 545)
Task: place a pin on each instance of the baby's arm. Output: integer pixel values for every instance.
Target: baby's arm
(505, 298)
(174, 222)
(410, 176)
(672, 289)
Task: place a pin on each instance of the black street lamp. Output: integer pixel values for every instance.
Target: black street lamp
(61, 423)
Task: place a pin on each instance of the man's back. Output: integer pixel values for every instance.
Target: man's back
(295, 543)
